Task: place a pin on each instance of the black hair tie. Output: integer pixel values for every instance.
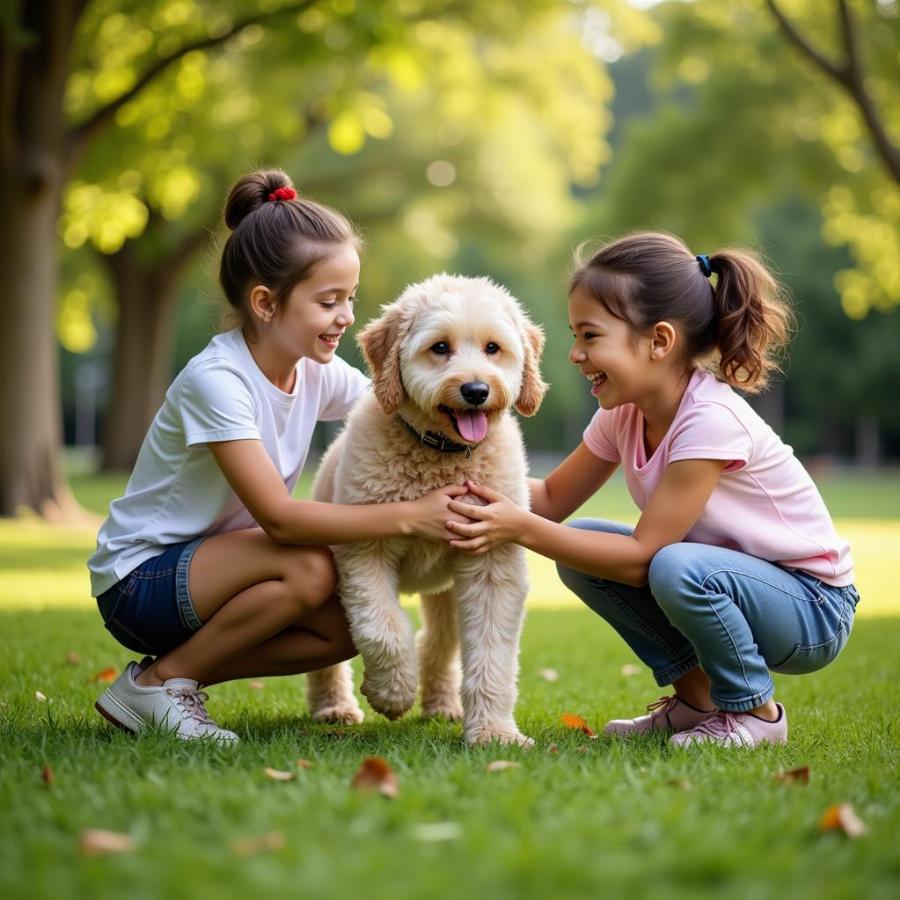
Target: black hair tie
(705, 267)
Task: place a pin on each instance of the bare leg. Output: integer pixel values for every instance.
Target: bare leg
(438, 646)
(693, 688)
(246, 589)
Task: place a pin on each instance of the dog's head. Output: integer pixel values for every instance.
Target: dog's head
(453, 354)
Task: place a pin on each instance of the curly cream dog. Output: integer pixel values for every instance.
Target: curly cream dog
(449, 359)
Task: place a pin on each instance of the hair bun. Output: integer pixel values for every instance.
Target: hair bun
(251, 191)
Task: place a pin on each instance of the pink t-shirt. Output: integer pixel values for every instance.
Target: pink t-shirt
(765, 502)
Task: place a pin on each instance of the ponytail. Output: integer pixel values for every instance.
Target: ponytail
(733, 315)
(753, 320)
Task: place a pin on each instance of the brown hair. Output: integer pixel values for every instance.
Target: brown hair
(276, 243)
(736, 325)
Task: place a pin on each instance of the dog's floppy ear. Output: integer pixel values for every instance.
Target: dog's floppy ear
(380, 344)
(533, 388)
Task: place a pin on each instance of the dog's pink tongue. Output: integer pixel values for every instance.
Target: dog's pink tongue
(472, 425)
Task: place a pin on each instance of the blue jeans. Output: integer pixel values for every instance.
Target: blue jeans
(735, 615)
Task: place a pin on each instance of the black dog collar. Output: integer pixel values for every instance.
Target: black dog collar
(438, 441)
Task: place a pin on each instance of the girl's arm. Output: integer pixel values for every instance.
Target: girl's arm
(675, 506)
(579, 476)
(254, 478)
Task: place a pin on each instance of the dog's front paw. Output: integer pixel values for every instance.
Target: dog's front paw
(391, 695)
(481, 735)
(444, 705)
(339, 714)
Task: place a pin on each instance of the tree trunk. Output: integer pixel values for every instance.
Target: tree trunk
(143, 353)
(868, 441)
(31, 178)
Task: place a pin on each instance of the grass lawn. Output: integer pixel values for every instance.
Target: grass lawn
(588, 818)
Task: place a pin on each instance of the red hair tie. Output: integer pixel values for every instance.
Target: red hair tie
(282, 193)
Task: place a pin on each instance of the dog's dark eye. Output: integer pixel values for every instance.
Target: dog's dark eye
(442, 348)
(492, 348)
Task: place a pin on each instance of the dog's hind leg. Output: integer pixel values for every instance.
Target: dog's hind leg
(491, 590)
(330, 697)
(438, 647)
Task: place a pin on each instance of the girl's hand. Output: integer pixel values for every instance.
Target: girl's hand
(430, 515)
(500, 522)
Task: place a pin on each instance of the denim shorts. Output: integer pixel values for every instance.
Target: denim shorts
(150, 609)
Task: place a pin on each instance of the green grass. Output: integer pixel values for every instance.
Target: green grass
(594, 818)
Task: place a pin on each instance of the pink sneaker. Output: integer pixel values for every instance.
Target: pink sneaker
(670, 714)
(730, 729)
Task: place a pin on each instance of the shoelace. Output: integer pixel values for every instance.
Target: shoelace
(664, 704)
(719, 725)
(191, 702)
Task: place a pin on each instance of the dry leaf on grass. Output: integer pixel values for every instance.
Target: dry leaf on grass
(501, 765)
(549, 674)
(41, 698)
(107, 675)
(72, 658)
(682, 783)
(256, 685)
(799, 775)
(278, 774)
(96, 842)
(264, 843)
(570, 720)
(375, 774)
(842, 817)
(47, 775)
(581, 749)
(630, 669)
(304, 764)
(553, 749)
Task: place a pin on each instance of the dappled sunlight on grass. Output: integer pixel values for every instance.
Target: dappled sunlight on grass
(43, 566)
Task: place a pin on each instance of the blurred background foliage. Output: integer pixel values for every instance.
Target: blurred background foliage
(485, 139)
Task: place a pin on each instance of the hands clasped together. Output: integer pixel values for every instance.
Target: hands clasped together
(473, 518)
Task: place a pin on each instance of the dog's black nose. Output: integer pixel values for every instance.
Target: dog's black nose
(475, 392)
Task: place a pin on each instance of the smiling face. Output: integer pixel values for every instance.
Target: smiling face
(319, 309)
(608, 352)
(453, 354)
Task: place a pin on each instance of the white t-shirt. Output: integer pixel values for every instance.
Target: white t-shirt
(177, 491)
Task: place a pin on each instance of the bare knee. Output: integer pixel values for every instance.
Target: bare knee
(311, 578)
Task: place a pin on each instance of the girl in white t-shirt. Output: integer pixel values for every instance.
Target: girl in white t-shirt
(207, 565)
(734, 568)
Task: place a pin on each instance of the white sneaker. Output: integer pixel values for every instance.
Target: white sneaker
(177, 704)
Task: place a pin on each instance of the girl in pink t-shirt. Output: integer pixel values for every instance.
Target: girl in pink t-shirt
(734, 568)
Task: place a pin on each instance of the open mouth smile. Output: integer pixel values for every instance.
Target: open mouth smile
(597, 380)
(470, 424)
(330, 340)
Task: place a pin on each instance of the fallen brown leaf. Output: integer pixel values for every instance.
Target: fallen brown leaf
(581, 749)
(549, 674)
(72, 658)
(630, 669)
(553, 749)
(682, 783)
(278, 774)
(304, 764)
(96, 842)
(107, 675)
(570, 720)
(257, 685)
(842, 817)
(47, 775)
(793, 776)
(501, 765)
(375, 774)
(263, 843)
